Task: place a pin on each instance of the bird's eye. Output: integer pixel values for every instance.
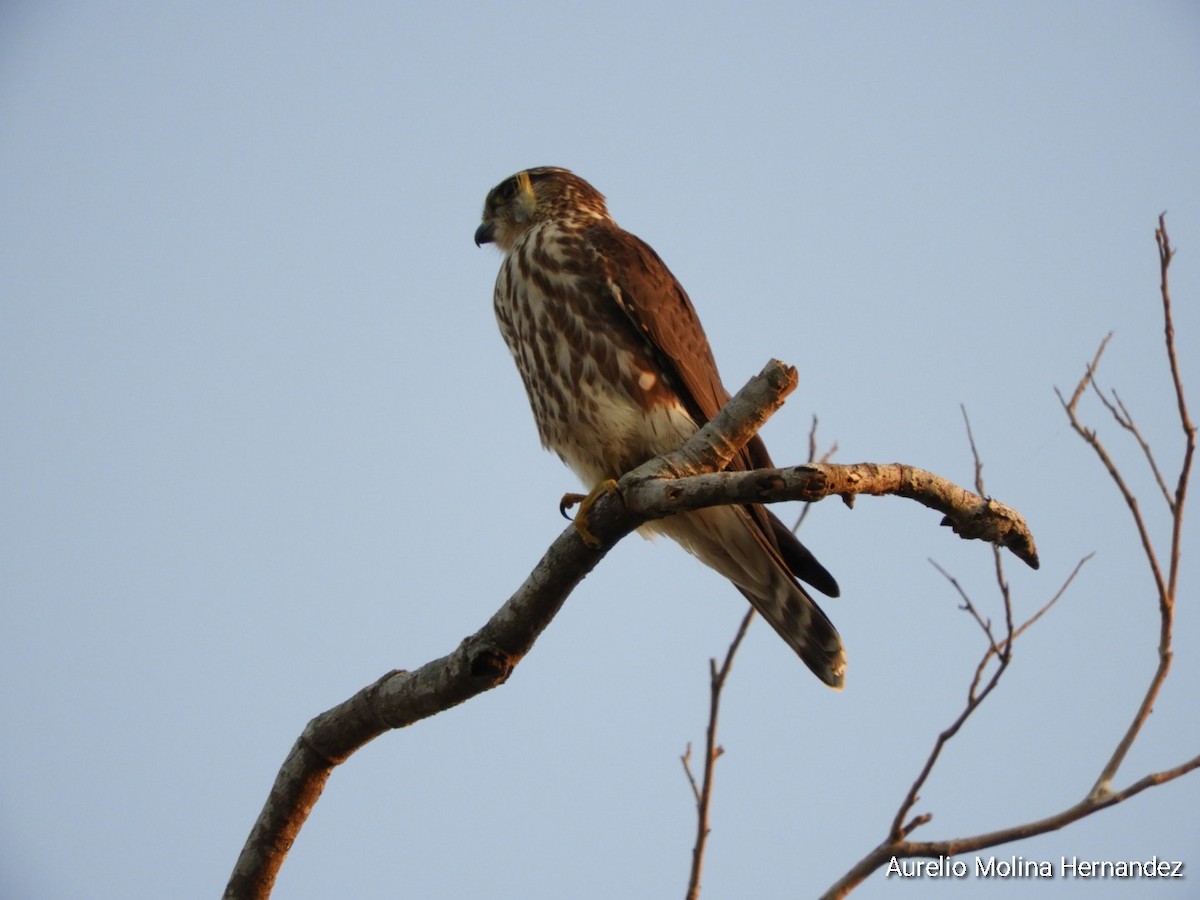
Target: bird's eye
(507, 191)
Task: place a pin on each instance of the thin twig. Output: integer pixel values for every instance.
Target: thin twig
(881, 855)
(1165, 255)
(974, 452)
(899, 830)
(717, 678)
(998, 561)
(1092, 440)
(712, 751)
(1102, 795)
(1001, 650)
(1057, 595)
(812, 457)
(967, 605)
(1166, 590)
(686, 759)
(1124, 418)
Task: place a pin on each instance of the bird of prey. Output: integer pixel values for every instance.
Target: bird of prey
(618, 370)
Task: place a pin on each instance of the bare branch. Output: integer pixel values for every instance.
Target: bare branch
(975, 697)
(482, 661)
(1124, 418)
(967, 514)
(686, 759)
(1166, 591)
(974, 451)
(712, 752)
(1057, 596)
(897, 845)
(968, 606)
(1003, 652)
(485, 659)
(812, 457)
(1091, 439)
(1165, 255)
(1087, 377)
(717, 686)
(1102, 795)
(905, 849)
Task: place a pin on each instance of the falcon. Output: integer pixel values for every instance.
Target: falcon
(618, 370)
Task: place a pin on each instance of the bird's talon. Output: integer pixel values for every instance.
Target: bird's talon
(608, 486)
(567, 502)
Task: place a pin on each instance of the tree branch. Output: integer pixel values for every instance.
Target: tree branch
(967, 514)
(1102, 795)
(882, 855)
(712, 752)
(485, 659)
(717, 680)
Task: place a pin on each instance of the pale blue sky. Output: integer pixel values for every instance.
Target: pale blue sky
(262, 441)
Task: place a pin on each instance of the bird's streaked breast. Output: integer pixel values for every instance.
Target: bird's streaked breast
(596, 397)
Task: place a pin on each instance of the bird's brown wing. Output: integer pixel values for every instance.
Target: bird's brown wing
(659, 309)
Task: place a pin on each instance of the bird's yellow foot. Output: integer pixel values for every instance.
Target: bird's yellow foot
(585, 501)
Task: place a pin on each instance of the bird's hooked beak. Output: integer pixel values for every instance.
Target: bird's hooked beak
(485, 234)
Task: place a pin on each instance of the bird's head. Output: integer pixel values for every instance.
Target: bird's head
(535, 195)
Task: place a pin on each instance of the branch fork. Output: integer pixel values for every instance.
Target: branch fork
(687, 479)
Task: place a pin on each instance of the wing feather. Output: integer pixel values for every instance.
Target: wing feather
(658, 307)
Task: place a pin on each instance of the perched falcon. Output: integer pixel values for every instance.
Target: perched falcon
(618, 370)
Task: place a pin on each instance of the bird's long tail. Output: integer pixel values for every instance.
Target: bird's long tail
(727, 539)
